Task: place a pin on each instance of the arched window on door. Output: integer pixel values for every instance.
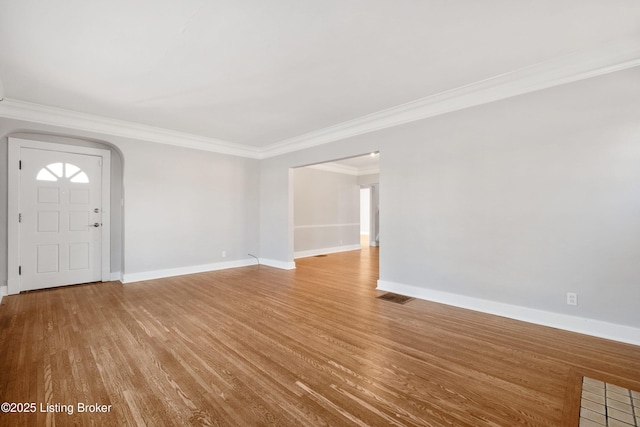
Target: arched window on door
(55, 171)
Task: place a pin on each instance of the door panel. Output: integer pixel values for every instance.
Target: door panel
(47, 258)
(60, 203)
(79, 256)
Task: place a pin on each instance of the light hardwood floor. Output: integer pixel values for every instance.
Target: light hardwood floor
(260, 346)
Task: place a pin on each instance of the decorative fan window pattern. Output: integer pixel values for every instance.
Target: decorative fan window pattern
(55, 171)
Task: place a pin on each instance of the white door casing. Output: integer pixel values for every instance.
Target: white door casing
(58, 215)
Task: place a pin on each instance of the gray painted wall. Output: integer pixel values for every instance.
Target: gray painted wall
(518, 201)
(182, 207)
(116, 187)
(523, 200)
(326, 210)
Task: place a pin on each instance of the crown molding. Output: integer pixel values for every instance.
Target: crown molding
(575, 66)
(30, 112)
(578, 65)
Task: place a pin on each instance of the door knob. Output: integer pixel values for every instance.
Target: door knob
(96, 224)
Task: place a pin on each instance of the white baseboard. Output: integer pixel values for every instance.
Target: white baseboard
(116, 276)
(4, 290)
(278, 264)
(597, 328)
(324, 251)
(180, 271)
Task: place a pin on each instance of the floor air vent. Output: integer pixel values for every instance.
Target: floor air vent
(399, 299)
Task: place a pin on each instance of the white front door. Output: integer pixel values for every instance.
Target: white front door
(61, 213)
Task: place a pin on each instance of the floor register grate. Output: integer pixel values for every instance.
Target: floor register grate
(399, 299)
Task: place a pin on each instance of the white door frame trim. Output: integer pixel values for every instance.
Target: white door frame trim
(13, 208)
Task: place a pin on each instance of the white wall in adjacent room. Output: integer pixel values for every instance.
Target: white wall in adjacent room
(326, 211)
(365, 210)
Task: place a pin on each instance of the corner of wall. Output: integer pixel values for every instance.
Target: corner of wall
(3, 291)
(278, 264)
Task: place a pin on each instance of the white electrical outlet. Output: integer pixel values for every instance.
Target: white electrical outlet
(572, 298)
(224, 254)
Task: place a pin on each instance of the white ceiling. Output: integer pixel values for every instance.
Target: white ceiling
(259, 73)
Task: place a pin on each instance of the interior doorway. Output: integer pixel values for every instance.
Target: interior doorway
(335, 206)
(335, 216)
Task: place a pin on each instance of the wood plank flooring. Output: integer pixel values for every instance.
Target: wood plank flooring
(259, 346)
